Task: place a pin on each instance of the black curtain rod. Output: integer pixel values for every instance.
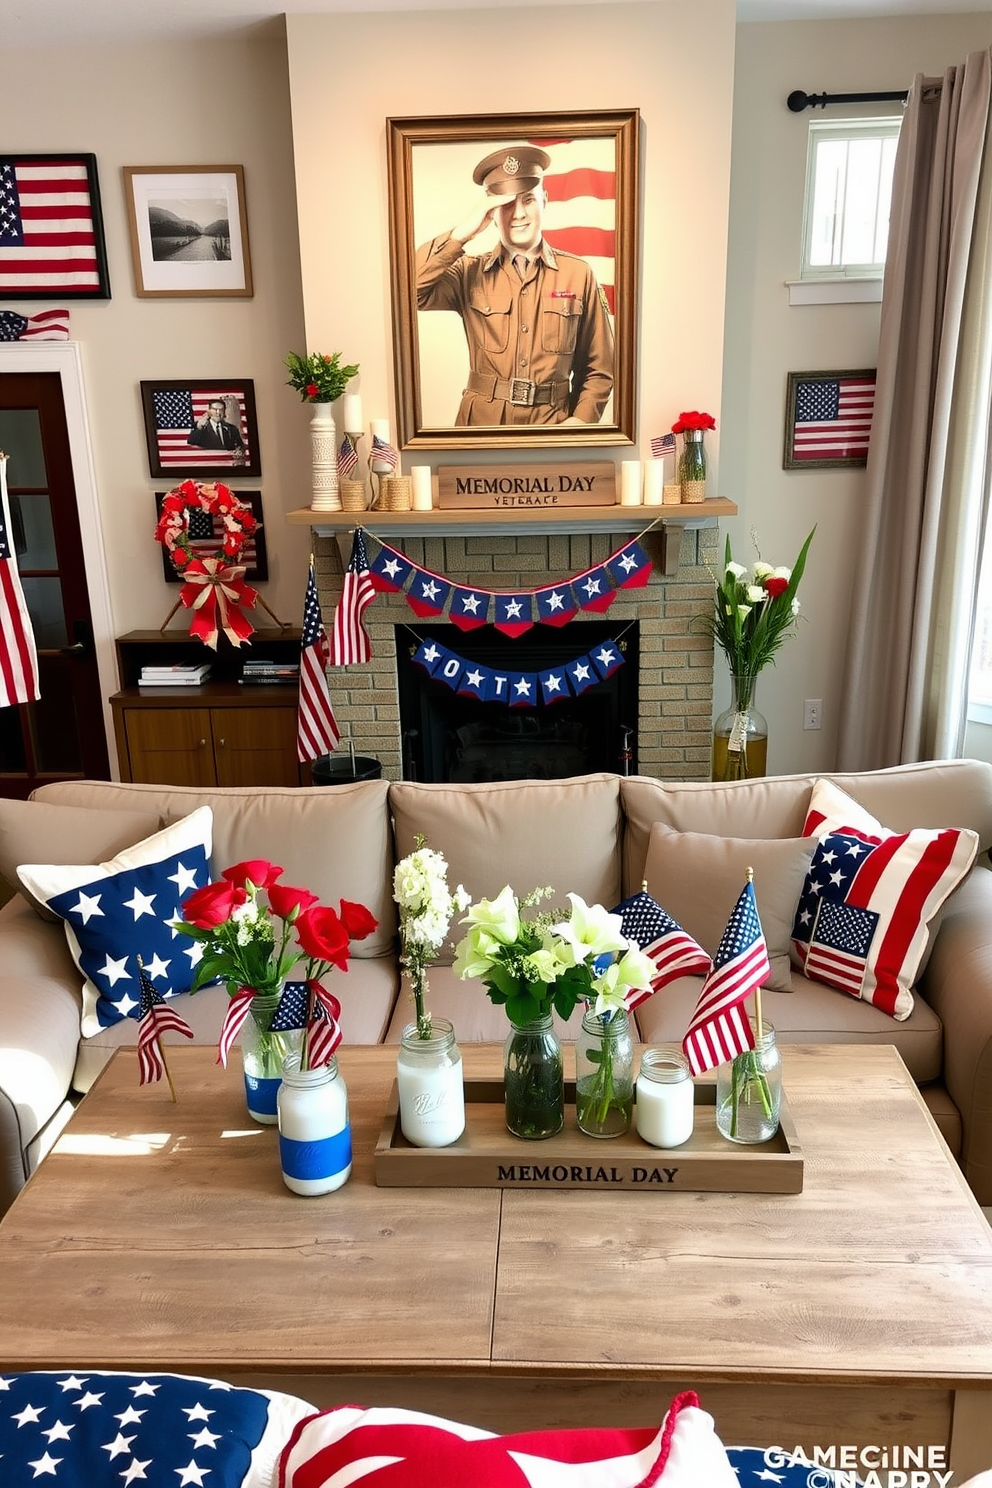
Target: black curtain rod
(798, 100)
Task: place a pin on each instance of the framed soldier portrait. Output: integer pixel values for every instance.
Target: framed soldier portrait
(199, 429)
(513, 258)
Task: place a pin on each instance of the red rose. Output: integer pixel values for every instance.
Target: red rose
(312, 390)
(775, 586)
(322, 935)
(286, 901)
(358, 921)
(260, 871)
(213, 904)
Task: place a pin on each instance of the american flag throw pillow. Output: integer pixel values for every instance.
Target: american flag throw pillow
(870, 894)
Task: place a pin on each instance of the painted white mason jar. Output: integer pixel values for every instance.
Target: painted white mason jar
(314, 1129)
(431, 1089)
(664, 1108)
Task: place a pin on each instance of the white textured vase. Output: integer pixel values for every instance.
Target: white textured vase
(323, 437)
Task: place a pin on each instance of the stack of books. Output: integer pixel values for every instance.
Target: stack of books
(261, 671)
(182, 674)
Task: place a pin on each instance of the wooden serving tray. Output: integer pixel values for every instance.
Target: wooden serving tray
(487, 1156)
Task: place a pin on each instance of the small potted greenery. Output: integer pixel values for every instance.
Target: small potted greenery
(318, 378)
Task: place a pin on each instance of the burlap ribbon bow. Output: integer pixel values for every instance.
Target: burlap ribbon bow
(216, 592)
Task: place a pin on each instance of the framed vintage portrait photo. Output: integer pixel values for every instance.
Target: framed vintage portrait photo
(206, 533)
(189, 231)
(201, 429)
(828, 419)
(513, 258)
(51, 229)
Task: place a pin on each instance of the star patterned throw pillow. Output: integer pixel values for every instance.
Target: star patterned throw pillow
(115, 912)
(863, 917)
(78, 1429)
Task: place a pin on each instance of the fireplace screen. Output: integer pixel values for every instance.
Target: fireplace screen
(451, 737)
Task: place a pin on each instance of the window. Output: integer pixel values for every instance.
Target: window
(848, 190)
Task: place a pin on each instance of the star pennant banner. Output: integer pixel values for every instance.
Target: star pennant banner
(518, 689)
(428, 593)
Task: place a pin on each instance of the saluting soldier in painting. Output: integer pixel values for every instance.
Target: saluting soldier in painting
(540, 341)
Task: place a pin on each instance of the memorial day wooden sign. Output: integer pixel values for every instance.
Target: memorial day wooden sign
(498, 489)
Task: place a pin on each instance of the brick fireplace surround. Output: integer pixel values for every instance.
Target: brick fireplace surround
(676, 656)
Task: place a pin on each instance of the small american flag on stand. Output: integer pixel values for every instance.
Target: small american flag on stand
(720, 1028)
(47, 325)
(349, 641)
(672, 949)
(663, 444)
(347, 458)
(383, 453)
(317, 730)
(18, 655)
(155, 1018)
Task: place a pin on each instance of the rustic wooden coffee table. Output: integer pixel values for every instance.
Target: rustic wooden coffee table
(858, 1312)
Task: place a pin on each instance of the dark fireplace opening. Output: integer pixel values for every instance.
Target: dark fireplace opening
(448, 736)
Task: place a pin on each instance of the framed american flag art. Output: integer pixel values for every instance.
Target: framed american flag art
(51, 228)
(828, 419)
(200, 429)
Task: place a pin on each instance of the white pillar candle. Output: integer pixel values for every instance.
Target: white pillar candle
(423, 491)
(665, 1097)
(654, 481)
(353, 422)
(380, 430)
(630, 482)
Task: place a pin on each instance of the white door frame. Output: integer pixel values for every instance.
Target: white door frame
(64, 358)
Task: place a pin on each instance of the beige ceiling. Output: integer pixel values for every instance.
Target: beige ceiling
(31, 23)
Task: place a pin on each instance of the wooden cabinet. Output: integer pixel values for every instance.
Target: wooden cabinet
(220, 733)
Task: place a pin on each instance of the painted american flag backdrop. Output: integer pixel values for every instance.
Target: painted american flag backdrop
(581, 183)
(51, 232)
(175, 411)
(831, 418)
(18, 654)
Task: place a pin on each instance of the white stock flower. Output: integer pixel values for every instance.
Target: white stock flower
(761, 570)
(755, 594)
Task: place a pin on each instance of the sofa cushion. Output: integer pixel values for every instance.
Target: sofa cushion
(811, 1014)
(118, 911)
(862, 922)
(334, 840)
(186, 1429)
(33, 832)
(698, 879)
(525, 833)
(39, 1032)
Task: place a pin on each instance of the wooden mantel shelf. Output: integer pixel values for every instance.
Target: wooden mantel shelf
(454, 522)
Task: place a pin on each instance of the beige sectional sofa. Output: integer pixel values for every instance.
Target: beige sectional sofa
(594, 835)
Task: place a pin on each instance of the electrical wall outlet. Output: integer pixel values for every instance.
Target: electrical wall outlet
(812, 713)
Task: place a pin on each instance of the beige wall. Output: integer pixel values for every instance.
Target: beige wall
(672, 59)
(213, 103)
(766, 338)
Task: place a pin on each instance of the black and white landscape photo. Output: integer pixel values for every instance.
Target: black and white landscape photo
(194, 229)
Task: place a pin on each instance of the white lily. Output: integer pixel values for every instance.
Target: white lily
(591, 930)
(499, 916)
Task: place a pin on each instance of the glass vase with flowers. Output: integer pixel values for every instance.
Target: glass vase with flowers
(252, 931)
(754, 611)
(537, 965)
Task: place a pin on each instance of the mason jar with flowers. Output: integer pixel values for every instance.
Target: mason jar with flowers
(754, 611)
(252, 944)
(537, 965)
(692, 425)
(429, 1066)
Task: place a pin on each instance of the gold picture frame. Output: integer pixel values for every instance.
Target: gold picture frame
(189, 231)
(590, 216)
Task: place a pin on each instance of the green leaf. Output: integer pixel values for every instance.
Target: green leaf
(522, 1009)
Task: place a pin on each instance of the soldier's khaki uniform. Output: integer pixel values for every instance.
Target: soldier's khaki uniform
(540, 348)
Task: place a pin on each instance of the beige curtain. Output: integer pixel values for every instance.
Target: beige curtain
(927, 483)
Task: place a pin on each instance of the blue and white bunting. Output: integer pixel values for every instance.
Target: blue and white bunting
(630, 568)
(557, 605)
(513, 614)
(517, 689)
(469, 608)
